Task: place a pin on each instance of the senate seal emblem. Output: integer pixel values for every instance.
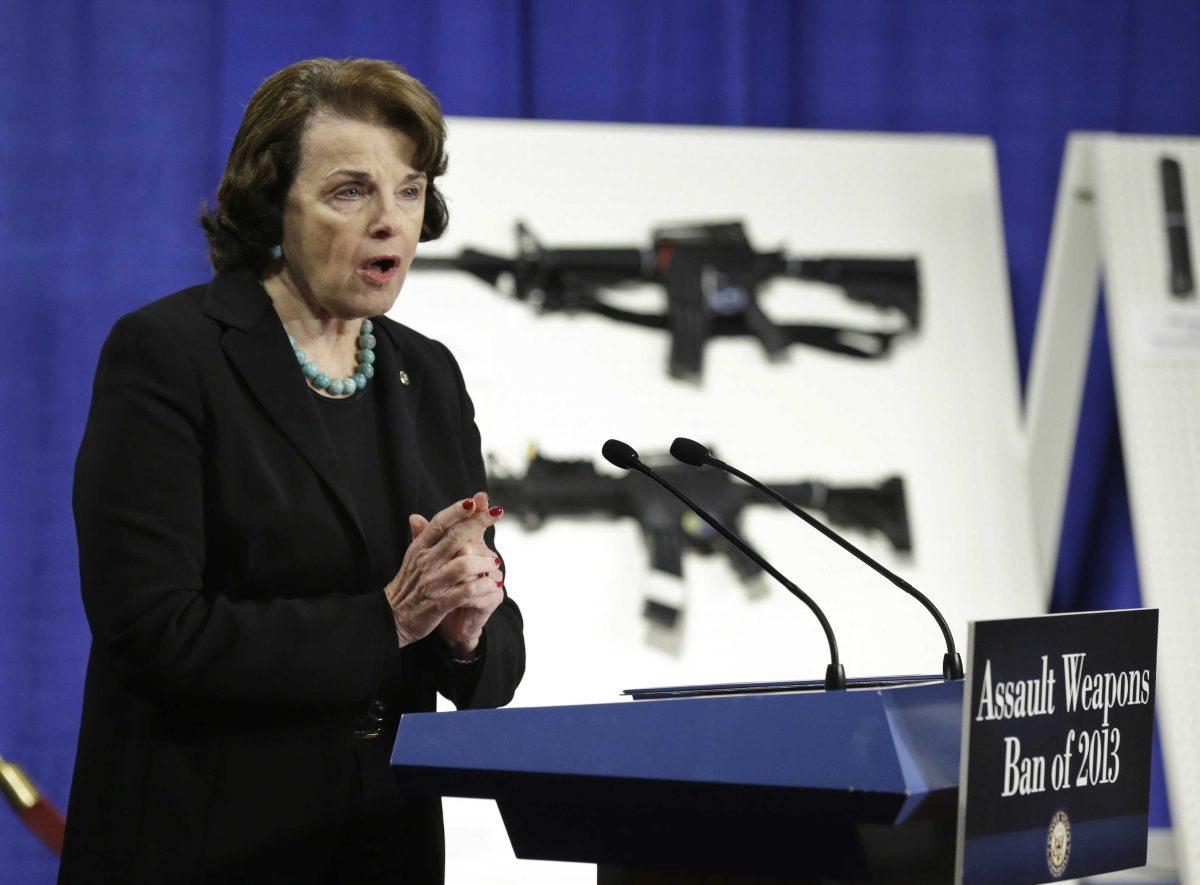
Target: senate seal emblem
(1058, 844)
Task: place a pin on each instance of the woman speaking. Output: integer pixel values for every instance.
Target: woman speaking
(285, 540)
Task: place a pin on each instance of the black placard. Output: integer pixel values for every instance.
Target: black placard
(1057, 729)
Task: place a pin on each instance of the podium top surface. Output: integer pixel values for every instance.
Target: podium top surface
(900, 742)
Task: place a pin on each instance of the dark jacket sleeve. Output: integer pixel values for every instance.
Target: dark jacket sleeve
(139, 514)
(494, 679)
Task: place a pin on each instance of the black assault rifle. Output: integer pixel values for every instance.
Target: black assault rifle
(712, 276)
(552, 488)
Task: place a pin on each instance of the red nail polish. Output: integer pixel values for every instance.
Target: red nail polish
(496, 512)
(469, 504)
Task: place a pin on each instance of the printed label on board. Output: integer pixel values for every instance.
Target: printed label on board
(1168, 333)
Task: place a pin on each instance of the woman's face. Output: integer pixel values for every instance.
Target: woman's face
(352, 218)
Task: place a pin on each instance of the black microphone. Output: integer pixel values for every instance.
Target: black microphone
(691, 452)
(621, 455)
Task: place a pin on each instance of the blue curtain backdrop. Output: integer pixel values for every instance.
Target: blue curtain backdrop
(115, 119)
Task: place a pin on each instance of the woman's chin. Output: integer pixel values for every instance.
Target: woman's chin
(376, 301)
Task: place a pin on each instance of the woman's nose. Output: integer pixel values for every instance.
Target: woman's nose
(386, 221)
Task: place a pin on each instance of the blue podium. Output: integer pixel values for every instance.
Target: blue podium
(858, 785)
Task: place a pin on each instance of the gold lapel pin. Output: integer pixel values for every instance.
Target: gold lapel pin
(404, 378)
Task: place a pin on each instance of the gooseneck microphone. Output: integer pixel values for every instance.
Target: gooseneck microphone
(622, 455)
(691, 452)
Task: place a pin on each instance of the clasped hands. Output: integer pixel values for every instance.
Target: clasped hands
(449, 579)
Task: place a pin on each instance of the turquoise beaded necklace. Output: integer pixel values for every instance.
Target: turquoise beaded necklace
(339, 386)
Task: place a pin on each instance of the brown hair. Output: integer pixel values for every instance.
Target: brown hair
(248, 218)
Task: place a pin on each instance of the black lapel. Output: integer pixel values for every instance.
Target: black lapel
(257, 346)
(393, 366)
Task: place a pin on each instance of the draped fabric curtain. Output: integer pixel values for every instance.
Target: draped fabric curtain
(115, 119)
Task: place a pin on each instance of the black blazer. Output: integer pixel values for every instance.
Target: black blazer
(224, 575)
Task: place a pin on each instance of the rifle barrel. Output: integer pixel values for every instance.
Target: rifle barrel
(422, 262)
(621, 263)
(849, 269)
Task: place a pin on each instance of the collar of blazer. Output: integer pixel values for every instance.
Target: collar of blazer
(257, 346)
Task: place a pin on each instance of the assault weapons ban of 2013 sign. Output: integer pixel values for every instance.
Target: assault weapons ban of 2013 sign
(1055, 778)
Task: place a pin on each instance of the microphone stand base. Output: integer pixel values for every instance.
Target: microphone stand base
(835, 678)
(952, 667)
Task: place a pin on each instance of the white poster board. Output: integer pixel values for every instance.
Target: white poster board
(1110, 222)
(942, 411)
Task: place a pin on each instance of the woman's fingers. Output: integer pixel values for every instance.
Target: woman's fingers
(480, 599)
(445, 520)
(461, 529)
(457, 524)
(463, 534)
(485, 595)
(465, 569)
(482, 596)
(479, 548)
(447, 566)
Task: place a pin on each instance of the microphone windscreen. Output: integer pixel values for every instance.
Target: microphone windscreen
(619, 454)
(688, 451)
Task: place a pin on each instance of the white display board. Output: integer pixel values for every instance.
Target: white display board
(1110, 222)
(942, 411)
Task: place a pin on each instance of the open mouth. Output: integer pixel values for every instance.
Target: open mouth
(381, 268)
